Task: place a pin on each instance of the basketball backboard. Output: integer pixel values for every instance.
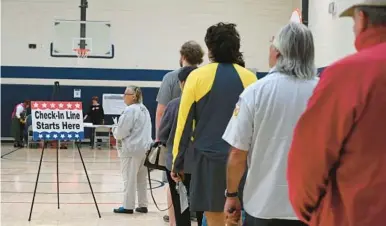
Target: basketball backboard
(68, 38)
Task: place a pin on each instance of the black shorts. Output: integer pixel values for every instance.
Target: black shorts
(208, 184)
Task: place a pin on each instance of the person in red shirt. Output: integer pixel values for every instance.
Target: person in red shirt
(337, 161)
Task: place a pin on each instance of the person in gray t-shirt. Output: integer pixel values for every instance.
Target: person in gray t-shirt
(191, 54)
(169, 89)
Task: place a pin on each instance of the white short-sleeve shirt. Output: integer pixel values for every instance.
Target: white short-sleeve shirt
(262, 124)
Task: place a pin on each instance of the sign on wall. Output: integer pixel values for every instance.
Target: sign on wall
(57, 120)
(113, 104)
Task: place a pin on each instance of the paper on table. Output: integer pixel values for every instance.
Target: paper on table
(115, 120)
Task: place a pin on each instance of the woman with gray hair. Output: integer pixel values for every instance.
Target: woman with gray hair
(133, 134)
(260, 131)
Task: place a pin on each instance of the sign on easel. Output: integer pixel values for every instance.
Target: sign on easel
(57, 120)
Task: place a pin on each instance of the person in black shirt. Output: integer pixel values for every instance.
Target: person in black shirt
(96, 116)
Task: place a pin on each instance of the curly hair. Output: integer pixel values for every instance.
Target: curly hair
(192, 52)
(240, 61)
(223, 42)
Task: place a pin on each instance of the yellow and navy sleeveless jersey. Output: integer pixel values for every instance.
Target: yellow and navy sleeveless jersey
(207, 104)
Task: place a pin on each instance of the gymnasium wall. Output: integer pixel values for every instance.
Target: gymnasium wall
(147, 35)
(333, 36)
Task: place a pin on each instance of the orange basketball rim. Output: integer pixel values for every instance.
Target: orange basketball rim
(81, 52)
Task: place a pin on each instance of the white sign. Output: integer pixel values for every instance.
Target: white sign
(113, 104)
(57, 120)
(77, 93)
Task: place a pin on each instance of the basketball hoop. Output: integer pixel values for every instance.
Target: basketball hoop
(82, 55)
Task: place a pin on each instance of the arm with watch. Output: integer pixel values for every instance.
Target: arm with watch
(238, 135)
(235, 171)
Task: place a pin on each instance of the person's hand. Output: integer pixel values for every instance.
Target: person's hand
(115, 120)
(156, 144)
(232, 211)
(177, 177)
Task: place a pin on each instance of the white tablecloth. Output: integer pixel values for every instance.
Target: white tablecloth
(90, 125)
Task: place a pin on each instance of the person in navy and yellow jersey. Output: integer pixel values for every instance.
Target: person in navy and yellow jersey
(207, 104)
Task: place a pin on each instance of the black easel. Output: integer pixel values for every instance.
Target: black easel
(53, 97)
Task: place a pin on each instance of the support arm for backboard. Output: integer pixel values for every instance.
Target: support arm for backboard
(305, 11)
(83, 17)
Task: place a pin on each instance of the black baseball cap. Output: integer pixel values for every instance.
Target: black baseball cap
(184, 73)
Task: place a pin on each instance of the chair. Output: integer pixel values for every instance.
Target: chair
(103, 134)
(30, 140)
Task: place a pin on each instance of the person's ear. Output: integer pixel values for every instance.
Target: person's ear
(360, 22)
(363, 20)
(277, 54)
(181, 61)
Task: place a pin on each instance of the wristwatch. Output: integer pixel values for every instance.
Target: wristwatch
(231, 195)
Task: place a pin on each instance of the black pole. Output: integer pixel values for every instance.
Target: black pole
(83, 17)
(88, 179)
(57, 172)
(305, 11)
(55, 90)
(54, 93)
(37, 180)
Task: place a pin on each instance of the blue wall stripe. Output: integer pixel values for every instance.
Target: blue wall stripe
(88, 73)
(82, 73)
(12, 94)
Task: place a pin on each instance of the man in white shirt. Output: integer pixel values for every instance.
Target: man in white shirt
(260, 130)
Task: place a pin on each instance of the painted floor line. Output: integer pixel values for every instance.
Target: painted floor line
(76, 203)
(20, 174)
(2, 156)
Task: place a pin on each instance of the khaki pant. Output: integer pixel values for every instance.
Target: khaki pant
(134, 179)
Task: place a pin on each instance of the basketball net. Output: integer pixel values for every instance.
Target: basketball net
(296, 16)
(82, 55)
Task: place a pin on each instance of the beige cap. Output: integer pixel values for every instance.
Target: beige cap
(355, 3)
